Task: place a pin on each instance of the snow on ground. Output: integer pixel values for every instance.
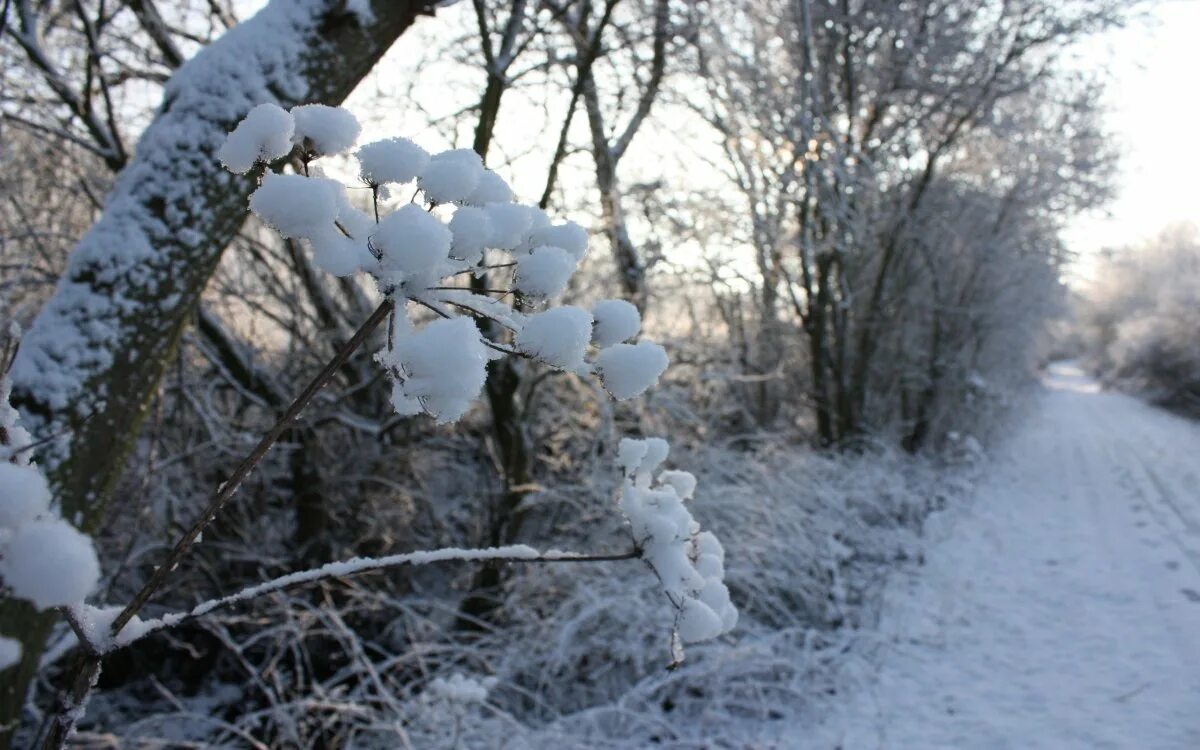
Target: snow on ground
(1059, 609)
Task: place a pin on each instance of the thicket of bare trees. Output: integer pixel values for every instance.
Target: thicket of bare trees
(861, 245)
(902, 169)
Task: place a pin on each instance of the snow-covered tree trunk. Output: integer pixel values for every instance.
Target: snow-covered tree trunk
(88, 367)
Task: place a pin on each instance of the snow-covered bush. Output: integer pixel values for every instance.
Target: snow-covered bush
(1139, 318)
(574, 657)
(815, 535)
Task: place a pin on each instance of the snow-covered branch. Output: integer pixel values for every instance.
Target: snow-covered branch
(98, 624)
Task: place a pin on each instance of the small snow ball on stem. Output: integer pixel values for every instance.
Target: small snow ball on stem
(558, 337)
(324, 131)
(451, 175)
(49, 563)
(392, 160)
(544, 272)
(569, 236)
(616, 321)
(628, 370)
(472, 230)
(491, 189)
(24, 495)
(439, 369)
(264, 135)
(294, 205)
(413, 247)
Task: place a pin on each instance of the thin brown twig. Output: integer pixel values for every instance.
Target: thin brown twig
(501, 292)
(486, 342)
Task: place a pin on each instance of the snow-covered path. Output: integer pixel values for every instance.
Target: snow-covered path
(1061, 609)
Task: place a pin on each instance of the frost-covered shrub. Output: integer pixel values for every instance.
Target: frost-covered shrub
(814, 536)
(1139, 318)
(575, 656)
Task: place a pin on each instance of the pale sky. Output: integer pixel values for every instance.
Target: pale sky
(1155, 118)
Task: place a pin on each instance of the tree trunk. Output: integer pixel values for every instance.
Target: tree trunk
(927, 398)
(629, 265)
(94, 356)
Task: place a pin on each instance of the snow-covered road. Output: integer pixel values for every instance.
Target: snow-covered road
(1061, 608)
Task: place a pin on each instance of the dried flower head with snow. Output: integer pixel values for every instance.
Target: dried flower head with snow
(689, 563)
(10, 652)
(43, 559)
(459, 255)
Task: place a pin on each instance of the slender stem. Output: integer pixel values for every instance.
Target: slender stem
(434, 308)
(479, 314)
(476, 269)
(48, 439)
(249, 463)
(80, 631)
(501, 292)
(505, 350)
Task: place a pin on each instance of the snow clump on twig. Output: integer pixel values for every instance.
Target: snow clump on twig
(461, 224)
